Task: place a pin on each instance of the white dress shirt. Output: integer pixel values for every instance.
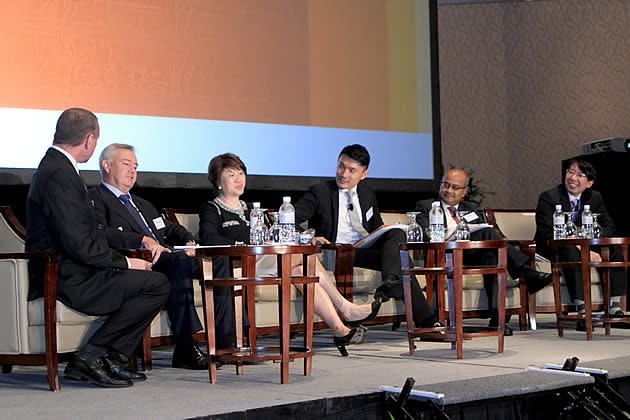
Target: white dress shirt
(346, 233)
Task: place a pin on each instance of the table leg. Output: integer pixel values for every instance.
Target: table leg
(309, 305)
(284, 269)
(451, 311)
(502, 284)
(208, 307)
(441, 258)
(458, 276)
(557, 298)
(586, 284)
(249, 270)
(406, 279)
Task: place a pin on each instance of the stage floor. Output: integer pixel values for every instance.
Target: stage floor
(383, 360)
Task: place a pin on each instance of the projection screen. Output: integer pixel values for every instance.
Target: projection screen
(285, 84)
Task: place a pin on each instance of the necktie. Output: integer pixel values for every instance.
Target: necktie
(353, 212)
(575, 206)
(453, 212)
(135, 213)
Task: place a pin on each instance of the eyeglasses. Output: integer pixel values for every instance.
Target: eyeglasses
(571, 172)
(446, 186)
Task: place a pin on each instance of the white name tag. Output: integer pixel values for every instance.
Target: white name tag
(471, 217)
(369, 214)
(159, 223)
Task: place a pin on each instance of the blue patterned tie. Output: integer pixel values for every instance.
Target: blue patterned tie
(135, 213)
(575, 206)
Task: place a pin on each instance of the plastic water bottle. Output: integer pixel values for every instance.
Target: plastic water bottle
(256, 225)
(558, 223)
(274, 230)
(286, 215)
(587, 222)
(436, 223)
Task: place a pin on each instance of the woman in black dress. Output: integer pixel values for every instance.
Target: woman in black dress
(225, 220)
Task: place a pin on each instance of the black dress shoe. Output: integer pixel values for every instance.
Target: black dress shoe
(119, 367)
(536, 280)
(95, 372)
(376, 306)
(494, 323)
(189, 357)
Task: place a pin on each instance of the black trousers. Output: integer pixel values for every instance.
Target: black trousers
(384, 255)
(181, 270)
(573, 276)
(515, 261)
(144, 295)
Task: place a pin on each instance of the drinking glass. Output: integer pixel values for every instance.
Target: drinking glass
(597, 229)
(462, 232)
(414, 231)
(569, 229)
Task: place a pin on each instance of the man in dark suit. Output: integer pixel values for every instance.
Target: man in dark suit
(344, 210)
(131, 222)
(92, 278)
(573, 195)
(453, 189)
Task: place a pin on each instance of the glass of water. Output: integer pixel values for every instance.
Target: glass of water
(414, 231)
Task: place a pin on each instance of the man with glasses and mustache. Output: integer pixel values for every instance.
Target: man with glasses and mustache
(453, 189)
(573, 195)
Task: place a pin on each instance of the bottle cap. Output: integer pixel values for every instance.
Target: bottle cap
(558, 206)
(256, 204)
(587, 206)
(435, 204)
(286, 199)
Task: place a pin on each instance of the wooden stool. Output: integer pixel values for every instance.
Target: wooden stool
(436, 265)
(284, 353)
(585, 264)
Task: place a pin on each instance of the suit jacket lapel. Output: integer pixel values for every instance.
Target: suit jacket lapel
(365, 206)
(116, 205)
(152, 226)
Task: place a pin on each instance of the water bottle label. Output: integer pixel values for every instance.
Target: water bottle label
(436, 219)
(287, 218)
(587, 220)
(558, 220)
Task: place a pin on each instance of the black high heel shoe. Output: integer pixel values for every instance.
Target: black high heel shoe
(355, 336)
(376, 306)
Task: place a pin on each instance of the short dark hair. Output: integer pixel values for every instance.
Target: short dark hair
(585, 167)
(74, 125)
(358, 153)
(219, 163)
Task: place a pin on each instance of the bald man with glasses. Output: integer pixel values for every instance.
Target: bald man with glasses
(453, 190)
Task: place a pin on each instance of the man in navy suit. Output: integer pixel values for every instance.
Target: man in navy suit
(92, 277)
(131, 222)
(453, 190)
(345, 210)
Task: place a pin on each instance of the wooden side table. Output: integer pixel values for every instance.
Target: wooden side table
(284, 281)
(436, 264)
(585, 265)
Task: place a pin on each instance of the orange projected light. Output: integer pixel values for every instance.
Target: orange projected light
(320, 62)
